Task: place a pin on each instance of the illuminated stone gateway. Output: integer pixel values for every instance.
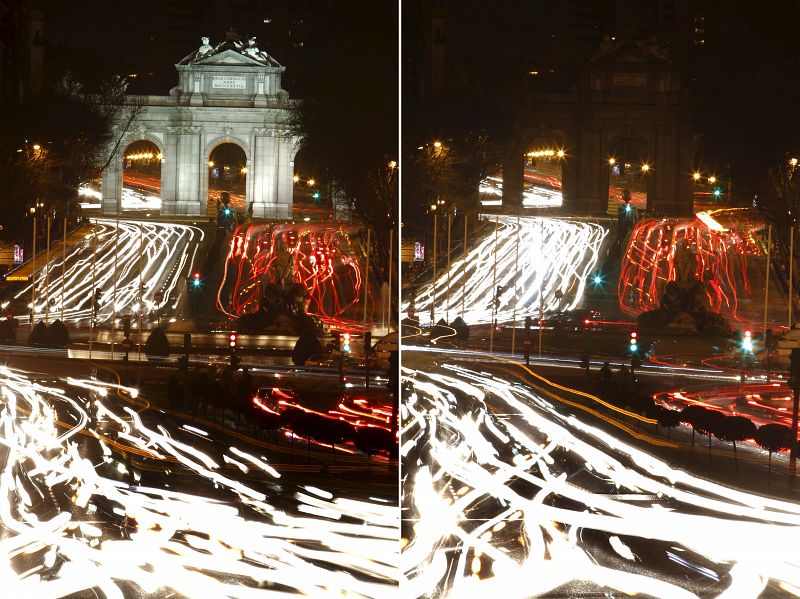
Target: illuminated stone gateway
(228, 93)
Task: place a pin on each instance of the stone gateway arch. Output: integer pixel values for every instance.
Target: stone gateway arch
(228, 93)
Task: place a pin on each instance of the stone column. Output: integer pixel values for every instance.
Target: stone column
(169, 173)
(189, 156)
(513, 180)
(285, 185)
(264, 174)
(111, 187)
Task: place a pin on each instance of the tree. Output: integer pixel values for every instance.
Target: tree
(736, 428)
(773, 437)
(157, 345)
(57, 334)
(668, 418)
(54, 144)
(702, 420)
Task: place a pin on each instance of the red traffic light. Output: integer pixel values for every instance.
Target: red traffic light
(634, 334)
(748, 334)
(232, 339)
(197, 275)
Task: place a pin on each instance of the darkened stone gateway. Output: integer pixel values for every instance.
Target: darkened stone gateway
(228, 93)
(629, 96)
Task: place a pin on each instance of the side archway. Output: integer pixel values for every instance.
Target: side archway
(134, 183)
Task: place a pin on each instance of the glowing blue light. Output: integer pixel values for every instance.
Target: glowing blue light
(597, 280)
(627, 207)
(227, 211)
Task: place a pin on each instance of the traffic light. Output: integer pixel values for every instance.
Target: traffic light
(717, 192)
(768, 338)
(126, 326)
(316, 195)
(747, 341)
(367, 342)
(634, 342)
(196, 280)
(345, 343)
(233, 338)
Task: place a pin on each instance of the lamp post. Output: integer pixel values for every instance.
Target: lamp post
(33, 272)
(433, 282)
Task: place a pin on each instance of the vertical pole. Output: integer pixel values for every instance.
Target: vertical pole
(516, 277)
(766, 292)
(433, 284)
(33, 277)
(494, 289)
(791, 266)
(793, 436)
(449, 224)
(389, 307)
(114, 296)
(464, 276)
(541, 284)
(92, 311)
(63, 268)
(141, 295)
(366, 277)
(766, 288)
(47, 276)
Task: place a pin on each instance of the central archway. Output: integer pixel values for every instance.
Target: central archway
(630, 170)
(228, 195)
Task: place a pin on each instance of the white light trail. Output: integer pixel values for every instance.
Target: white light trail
(554, 255)
(168, 255)
(505, 496)
(68, 525)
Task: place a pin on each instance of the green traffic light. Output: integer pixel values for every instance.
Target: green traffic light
(315, 195)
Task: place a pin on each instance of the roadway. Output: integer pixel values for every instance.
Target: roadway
(137, 267)
(515, 487)
(103, 492)
(514, 253)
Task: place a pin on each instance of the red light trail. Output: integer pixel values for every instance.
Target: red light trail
(325, 259)
(719, 243)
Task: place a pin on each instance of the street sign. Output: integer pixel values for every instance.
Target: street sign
(126, 345)
(158, 296)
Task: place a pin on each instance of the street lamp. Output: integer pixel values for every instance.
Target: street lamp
(696, 176)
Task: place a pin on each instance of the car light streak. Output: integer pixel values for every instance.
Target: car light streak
(323, 259)
(505, 494)
(70, 525)
(718, 247)
(166, 256)
(554, 255)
